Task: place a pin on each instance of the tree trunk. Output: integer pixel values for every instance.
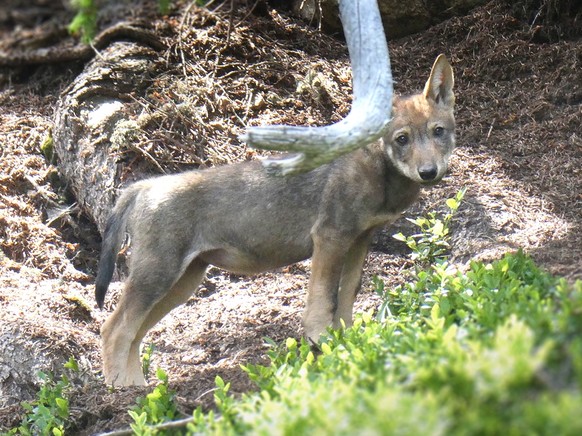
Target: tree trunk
(90, 137)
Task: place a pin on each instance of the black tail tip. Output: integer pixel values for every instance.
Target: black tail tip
(104, 275)
(100, 292)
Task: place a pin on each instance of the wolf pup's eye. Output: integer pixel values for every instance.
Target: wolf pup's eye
(402, 140)
(439, 131)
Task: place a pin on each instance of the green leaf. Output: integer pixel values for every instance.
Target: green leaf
(399, 237)
(62, 404)
(452, 204)
(161, 375)
(325, 349)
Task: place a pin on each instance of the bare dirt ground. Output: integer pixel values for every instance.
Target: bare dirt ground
(519, 154)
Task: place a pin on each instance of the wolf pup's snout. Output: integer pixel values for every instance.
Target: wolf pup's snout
(428, 172)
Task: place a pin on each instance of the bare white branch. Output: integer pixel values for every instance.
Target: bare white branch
(371, 108)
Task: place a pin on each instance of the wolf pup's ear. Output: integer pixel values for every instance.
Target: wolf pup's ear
(439, 86)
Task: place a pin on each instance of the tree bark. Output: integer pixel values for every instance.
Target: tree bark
(87, 118)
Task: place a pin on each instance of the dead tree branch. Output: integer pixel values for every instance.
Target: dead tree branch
(371, 108)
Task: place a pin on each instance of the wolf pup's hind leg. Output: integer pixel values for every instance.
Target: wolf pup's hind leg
(178, 295)
(152, 290)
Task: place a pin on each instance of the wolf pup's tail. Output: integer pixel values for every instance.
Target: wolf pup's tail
(112, 241)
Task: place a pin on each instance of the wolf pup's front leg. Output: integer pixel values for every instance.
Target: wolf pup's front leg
(326, 268)
(335, 277)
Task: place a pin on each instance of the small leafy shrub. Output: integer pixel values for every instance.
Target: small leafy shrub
(431, 244)
(493, 350)
(146, 359)
(155, 408)
(85, 21)
(48, 414)
(164, 6)
(428, 247)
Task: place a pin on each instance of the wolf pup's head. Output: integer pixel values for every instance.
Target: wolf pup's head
(421, 135)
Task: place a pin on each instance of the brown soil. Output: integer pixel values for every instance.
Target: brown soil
(519, 154)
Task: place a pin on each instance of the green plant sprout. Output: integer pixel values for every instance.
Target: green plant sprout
(85, 21)
(155, 408)
(49, 412)
(146, 359)
(431, 244)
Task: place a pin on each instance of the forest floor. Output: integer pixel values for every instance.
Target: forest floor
(519, 154)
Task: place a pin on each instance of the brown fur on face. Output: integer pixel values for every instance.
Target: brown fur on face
(422, 131)
(238, 218)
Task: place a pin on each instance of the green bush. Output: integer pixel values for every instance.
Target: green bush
(496, 349)
(157, 407)
(49, 412)
(85, 21)
(431, 244)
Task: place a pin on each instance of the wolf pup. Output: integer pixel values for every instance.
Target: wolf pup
(238, 218)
